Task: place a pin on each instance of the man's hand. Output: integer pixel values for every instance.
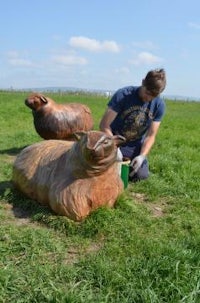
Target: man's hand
(136, 164)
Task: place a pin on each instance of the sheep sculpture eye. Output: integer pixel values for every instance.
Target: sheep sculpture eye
(106, 142)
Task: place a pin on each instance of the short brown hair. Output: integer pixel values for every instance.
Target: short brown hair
(155, 81)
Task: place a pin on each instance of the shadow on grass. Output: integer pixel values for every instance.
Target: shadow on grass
(22, 206)
(12, 151)
(97, 223)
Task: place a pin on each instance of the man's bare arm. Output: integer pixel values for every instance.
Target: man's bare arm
(106, 120)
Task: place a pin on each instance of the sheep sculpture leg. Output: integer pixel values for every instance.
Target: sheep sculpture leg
(72, 178)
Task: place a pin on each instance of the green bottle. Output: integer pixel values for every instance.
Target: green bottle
(125, 172)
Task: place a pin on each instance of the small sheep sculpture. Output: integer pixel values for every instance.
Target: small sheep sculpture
(72, 178)
(58, 121)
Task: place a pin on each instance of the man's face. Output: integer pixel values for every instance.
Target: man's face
(145, 95)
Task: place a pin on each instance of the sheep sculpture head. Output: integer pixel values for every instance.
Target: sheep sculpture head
(36, 101)
(72, 178)
(96, 150)
(58, 121)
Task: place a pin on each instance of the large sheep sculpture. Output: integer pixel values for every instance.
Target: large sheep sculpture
(72, 178)
(58, 121)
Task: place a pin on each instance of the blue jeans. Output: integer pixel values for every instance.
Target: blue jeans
(130, 152)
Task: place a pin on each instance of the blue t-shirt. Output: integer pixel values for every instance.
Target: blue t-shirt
(134, 116)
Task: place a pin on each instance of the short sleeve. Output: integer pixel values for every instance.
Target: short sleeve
(160, 111)
(116, 102)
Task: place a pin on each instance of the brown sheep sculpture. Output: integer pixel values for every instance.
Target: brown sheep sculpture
(72, 178)
(58, 121)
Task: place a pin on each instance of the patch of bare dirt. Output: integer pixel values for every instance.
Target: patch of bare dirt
(16, 215)
(10, 158)
(157, 209)
(75, 253)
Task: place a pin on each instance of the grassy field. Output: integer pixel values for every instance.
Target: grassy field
(146, 249)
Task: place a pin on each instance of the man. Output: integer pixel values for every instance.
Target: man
(135, 112)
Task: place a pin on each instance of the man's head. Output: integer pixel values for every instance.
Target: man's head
(153, 84)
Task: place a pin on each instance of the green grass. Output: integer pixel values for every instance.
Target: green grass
(144, 250)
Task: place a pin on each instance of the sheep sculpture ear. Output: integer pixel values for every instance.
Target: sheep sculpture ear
(79, 135)
(43, 99)
(119, 139)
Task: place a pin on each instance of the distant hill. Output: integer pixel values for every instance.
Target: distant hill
(104, 92)
(69, 89)
(107, 93)
(181, 98)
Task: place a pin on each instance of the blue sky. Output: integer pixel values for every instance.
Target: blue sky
(104, 44)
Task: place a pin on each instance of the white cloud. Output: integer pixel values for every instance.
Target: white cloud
(184, 54)
(15, 59)
(20, 62)
(69, 60)
(13, 54)
(122, 70)
(57, 37)
(145, 58)
(94, 45)
(194, 25)
(144, 44)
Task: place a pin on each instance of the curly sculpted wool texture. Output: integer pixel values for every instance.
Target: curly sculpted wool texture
(58, 121)
(73, 178)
